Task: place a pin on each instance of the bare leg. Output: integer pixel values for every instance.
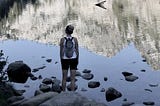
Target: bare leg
(73, 72)
(64, 77)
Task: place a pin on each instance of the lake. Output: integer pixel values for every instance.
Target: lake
(112, 40)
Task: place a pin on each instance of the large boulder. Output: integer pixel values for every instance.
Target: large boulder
(112, 94)
(14, 99)
(70, 99)
(37, 100)
(18, 72)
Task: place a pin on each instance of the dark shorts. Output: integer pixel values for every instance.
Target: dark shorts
(69, 63)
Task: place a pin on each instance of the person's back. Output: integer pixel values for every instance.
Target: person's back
(69, 54)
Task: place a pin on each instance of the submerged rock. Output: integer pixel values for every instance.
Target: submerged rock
(87, 76)
(128, 104)
(153, 85)
(83, 89)
(86, 71)
(131, 78)
(78, 73)
(39, 68)
(26, 86)
(148, 90)
(112, 94)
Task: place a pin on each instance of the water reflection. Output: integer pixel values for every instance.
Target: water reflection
(35, 54)
(105, 32)
(10, 10)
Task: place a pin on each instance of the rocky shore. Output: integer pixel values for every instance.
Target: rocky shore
(54, 99)
(50, 93)
(6, 91)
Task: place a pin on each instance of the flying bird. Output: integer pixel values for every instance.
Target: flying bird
(101, 4)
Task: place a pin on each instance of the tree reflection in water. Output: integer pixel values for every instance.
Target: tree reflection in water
(104, 32)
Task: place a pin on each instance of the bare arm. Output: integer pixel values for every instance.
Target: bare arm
(76, 47)
(61, 47)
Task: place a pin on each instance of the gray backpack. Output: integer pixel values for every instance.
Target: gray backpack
(69, 47)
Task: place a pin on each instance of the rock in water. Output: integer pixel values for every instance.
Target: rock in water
(125, 74)
(69, 87)
(86, 71)
(87, 76)
(18, 72)
(149, 103)
(112, 94)
(47, 81)
(49, 60)
(93, 84)
(44, 88)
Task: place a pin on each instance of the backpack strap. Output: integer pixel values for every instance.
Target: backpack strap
(69, 38)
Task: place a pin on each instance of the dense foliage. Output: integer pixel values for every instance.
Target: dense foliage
(6, 90)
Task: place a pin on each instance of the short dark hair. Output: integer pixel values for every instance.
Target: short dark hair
(69, 29)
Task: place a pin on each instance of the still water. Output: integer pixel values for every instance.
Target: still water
(128, 59)
(112, 40)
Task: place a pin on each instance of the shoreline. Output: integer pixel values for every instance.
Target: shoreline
(6, 91)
